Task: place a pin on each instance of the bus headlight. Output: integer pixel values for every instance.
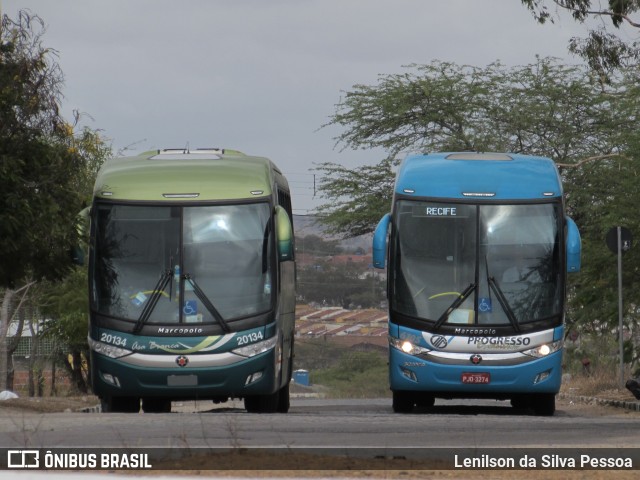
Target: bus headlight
(257, 348)
(544, 350)
(107, 350)
(406, 346)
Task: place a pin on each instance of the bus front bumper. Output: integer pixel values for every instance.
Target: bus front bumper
(189, 377)
(412, 373)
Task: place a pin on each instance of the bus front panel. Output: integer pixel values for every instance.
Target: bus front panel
(470, 366)
(236, 364)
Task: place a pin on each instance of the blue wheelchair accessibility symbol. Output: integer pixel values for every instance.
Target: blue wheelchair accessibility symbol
(190, 307)
(484, 305)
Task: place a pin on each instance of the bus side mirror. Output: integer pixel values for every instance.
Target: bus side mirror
(77, 252)
(574, 246)
(380, 242)
(284, 234)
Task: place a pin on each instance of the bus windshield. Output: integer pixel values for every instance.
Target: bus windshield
(193, 264)
(477, 264)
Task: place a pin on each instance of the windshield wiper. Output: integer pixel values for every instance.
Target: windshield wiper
(503, 302)
(456, 303)
(207, 303)
(153, 300)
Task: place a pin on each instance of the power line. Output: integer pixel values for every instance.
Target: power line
(311, 181)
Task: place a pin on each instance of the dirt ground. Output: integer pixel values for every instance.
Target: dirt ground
(50, 404)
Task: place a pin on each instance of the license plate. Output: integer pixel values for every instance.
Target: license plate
(477, 377)
(182, 380)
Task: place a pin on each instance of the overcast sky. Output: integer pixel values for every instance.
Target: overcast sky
(262, 76)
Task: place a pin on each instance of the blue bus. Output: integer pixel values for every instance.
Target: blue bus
(478, 247)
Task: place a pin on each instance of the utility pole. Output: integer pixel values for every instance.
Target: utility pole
(619, 240)
(620, 324)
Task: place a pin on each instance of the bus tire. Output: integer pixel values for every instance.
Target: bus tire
(156, 405)
(520, 402)
(402, 402)
(267, 403)
(120, 404)
(544, 404)
(426, 401)
(283, 399)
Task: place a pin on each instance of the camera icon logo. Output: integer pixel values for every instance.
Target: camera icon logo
(23, 459)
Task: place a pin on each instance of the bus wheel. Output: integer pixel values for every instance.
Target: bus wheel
(283, 399)
(262, 403)
(426, 401)
(120, 404)
(402, 402)
(520, 402)
(156, 405)
(544, 404)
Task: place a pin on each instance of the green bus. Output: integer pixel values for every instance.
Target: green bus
(191, 281)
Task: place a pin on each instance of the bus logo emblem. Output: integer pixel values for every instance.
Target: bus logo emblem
(439, 341)
(475, 359)
(182, 361)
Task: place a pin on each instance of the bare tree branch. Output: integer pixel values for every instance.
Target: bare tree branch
(598, 13)
(22, 299)
(591, 159)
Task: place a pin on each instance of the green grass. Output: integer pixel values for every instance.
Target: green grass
(343, 371)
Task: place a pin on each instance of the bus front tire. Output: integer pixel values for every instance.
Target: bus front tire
(120, 404)
(277, 402)
(520, 402)
(283, 400)
(156, 405)
(544, 404)
(426, 401)
(262, 403)
(403, 402)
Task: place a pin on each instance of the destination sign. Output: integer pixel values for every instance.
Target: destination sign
(441, 211)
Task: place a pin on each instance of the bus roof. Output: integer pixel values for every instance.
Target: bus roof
(478, 175)
(177, 175)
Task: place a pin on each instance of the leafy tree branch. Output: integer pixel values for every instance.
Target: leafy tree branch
(604, 52)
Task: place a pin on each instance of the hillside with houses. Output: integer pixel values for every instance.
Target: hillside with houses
(342, 326)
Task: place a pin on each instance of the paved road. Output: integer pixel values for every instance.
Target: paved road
(325, 423)
(365, 431)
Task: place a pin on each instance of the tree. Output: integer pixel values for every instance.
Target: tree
(356, 197)
(604, 51)
(549, 109)
(39, 169)
(65, 304)
(604, 194)
(544, 108)
(338, 285)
